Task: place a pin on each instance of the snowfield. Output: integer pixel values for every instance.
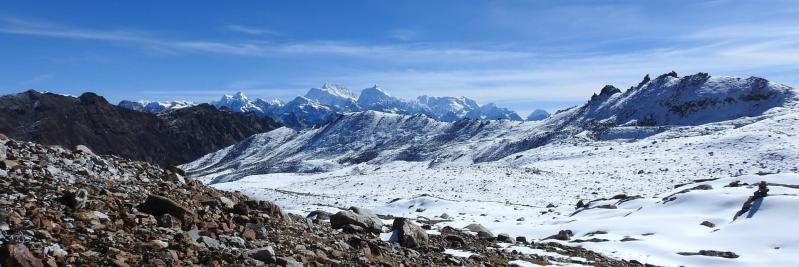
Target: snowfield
(660, 160)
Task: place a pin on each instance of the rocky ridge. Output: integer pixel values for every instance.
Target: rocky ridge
(168, 138)
(61, 207)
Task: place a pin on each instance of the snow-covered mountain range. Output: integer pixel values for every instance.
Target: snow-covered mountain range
(654, 106)
(155, 106)
(661, 170)
(321, 105)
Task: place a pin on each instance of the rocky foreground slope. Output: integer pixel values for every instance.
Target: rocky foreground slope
(61, 207)
(166, 139)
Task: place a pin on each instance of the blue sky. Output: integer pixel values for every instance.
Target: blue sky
(519, 54)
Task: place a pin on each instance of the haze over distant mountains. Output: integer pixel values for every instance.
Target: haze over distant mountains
(320, 105)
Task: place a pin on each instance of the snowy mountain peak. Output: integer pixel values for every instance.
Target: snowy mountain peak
(333, 95)
(537, 115)
(237, 102)
(338, 90)
(240, 96)
(375, 96)
(377, 89)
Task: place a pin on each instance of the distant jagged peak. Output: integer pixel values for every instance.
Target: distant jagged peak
(605, 92)
(537, 115)
(644, 81)
(333, 95)
(609, 90)
(374, 95)
(378, 89)
(671, 74)
(337, 89)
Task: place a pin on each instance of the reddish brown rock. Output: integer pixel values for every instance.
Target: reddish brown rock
(18, 255)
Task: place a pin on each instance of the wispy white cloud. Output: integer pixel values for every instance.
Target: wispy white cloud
(409, 52)
(250, 30)
(403, 34)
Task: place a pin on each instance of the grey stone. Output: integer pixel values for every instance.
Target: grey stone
(478, 228)
(264, 254)
(408, 234)
(359, 217)
(209, 242)
(234, 241)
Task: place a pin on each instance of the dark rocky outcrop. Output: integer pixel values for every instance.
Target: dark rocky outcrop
(761, 192)
(167, 139)
(711, 253)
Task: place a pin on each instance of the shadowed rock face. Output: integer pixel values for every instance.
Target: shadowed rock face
(169, 139)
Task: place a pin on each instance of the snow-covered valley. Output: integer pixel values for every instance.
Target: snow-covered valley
(525, 178)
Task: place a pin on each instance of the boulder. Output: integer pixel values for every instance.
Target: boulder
(259, 230)
(505, 238)
(18, 255)
(75, 199)
(227, 202)
(485, 235)
(8, 164)
(358, 217)
(318, 215)
(562, 235)
(407, 234)
(209, 242)
(264, 254)
(480, 230)
(158, 205)
(271, 209)
(233, 241)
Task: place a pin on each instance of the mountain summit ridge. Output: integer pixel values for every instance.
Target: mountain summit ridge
(319, 105)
